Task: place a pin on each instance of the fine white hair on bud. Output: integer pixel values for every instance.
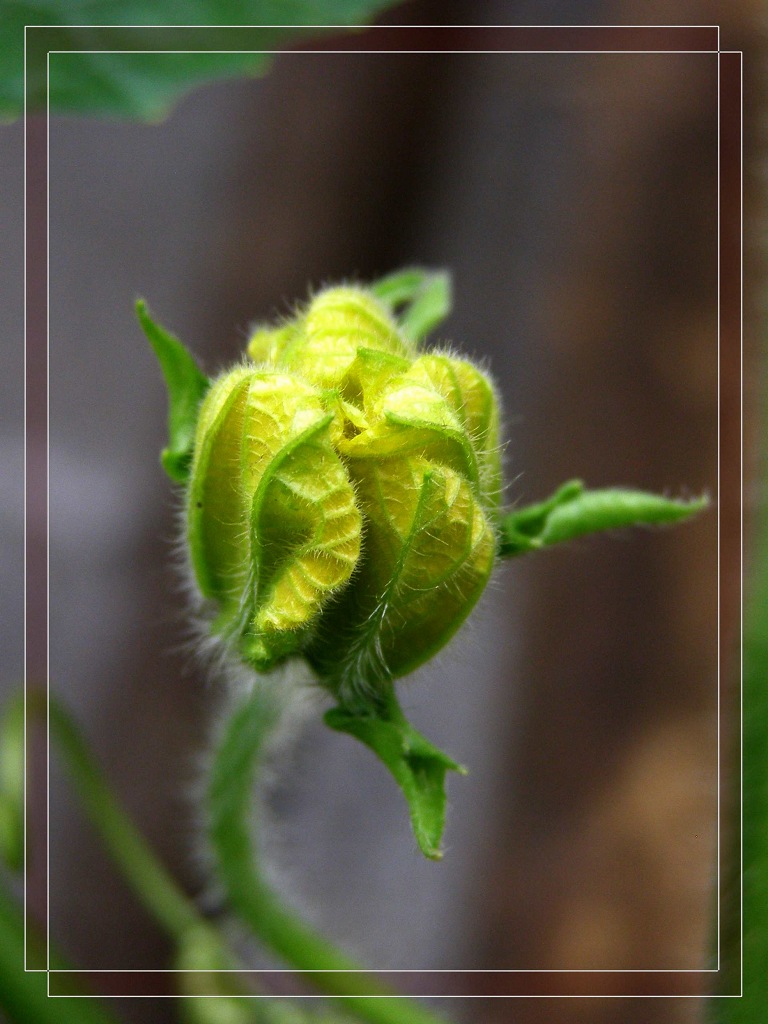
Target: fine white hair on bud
(342, 494)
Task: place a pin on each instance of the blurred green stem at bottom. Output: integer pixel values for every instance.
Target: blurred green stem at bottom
(201, 949)
(24, 994)
(244, 744)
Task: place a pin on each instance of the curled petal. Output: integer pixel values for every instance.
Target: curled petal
(429, 550)
(273, 525)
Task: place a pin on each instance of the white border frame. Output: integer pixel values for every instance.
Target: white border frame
(665, 971)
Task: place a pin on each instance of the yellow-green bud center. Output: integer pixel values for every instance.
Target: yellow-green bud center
(342, 496)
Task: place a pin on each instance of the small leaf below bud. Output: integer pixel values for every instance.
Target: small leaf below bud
(418, 767)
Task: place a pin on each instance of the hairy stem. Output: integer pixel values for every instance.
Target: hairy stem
(233, 779)
(198, 943)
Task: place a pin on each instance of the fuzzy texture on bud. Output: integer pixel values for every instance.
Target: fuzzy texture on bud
(343, 493)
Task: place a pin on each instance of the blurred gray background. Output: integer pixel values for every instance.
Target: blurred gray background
(573, 197)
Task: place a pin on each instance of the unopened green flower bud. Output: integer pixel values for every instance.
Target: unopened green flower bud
(424, 458)
(397, 449)
(342, 496)
(342, 504)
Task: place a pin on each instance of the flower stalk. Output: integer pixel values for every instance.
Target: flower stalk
(241, 751)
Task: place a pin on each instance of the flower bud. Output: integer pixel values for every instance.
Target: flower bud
(343, 492)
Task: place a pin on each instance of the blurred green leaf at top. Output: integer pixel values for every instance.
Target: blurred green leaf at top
(144, 85)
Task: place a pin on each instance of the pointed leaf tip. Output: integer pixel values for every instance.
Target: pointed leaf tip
(186, 385)
(574, 512)
(614, 508)
(418, 767)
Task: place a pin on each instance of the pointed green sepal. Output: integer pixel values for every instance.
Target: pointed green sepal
(573, 512)
(186, 385)
(418, 766)
(424, 297)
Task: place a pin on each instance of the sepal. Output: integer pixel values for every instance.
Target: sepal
(424, 298)
(418, 767)
(186, 384)
(573, 511)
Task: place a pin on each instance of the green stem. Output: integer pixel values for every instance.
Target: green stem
(230, 796)
(12, 785)
(153, 884)
(24, 994)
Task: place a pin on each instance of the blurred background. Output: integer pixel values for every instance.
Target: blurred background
(574, 199)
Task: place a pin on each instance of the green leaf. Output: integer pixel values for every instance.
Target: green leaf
(573, 511)
(521, 528)
(145, 85)
(418, 767)
(186, 386)
(424, 294)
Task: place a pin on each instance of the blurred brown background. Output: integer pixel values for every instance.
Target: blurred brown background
(574, 198)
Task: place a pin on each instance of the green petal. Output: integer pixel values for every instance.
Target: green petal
(337, 323)
(274, 529)
(305, 541)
